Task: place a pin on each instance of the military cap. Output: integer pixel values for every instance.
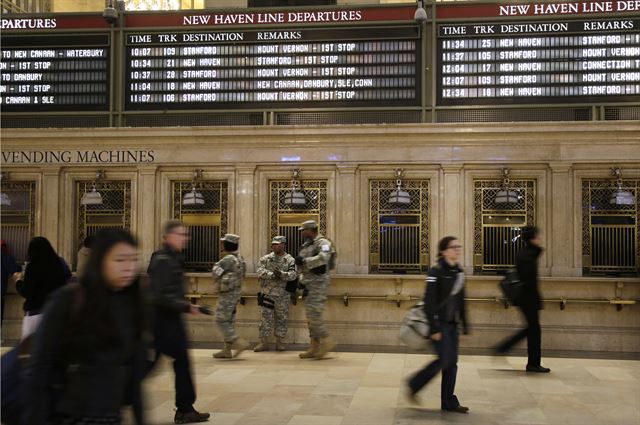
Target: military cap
(279, 239)
(230, 237)
(309, 224)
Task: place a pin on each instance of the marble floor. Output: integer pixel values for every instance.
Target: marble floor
(367, 388)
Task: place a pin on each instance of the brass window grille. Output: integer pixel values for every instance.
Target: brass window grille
(286, 218)
(207, 221)
(399, 236)
(498, 225)
(18, 219)
(113, 212)
(610, 232)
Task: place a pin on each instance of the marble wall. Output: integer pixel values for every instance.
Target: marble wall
(557, 155)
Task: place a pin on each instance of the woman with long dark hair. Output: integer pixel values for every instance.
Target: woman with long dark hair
(44, 273)
(445, 309)
(88, 356)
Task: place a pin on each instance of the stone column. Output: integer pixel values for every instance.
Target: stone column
(560, 241)
(347, 212)
(51, 209)
(148, 234)
(452, 205)
(244, 213)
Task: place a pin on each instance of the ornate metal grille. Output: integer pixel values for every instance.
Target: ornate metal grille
(114, 212)
(610, 232)
(18, 219)
(285, 219)
(497, 226)
(399, 236)
(207, 222)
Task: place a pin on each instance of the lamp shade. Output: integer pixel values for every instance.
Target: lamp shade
(5, 201)
(193, 198)
(507, 197)
(91, 198)
(295, 198)
(622, 197)
(400, 197)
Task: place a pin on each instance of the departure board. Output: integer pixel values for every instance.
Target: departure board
(539, 62)
(283, 68)
(54, 73)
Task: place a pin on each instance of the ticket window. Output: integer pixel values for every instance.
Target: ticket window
(18, 216)
(610, 228)
(100, 205)
(399, 234)
(203, 207)
(290, 208)
(500, 214)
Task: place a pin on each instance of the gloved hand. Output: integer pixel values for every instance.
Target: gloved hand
(299, 260)
(277, 274)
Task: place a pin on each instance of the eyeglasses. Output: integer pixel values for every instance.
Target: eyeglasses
(454, 247)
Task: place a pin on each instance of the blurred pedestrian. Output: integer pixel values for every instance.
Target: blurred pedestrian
(88, 355)
(45, 272)
(166, 271)
(445, 309)
(529, 301)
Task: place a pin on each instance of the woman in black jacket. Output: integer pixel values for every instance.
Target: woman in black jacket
(88, 355)
(445, 310)
(44, 273)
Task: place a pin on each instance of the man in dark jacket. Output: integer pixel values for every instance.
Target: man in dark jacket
(529, 301)
(166, 271)
(445, 309)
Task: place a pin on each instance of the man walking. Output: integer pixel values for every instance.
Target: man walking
(229, 273)
(166, 271)
(529, 301)
(274, 271)
(316, 258)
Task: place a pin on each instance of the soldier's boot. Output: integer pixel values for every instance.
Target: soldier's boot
(263, 345)
(311, 352)
(326, 345)
(239, 345)
(225, 353)
(279, 344)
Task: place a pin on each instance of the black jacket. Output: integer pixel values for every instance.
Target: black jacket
(39, 282)
(527, 266)
(69, 374)
(440, 281)
(166, 271)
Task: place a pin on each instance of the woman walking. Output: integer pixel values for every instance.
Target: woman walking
(445, 310)
(44, 273)
(88, 355)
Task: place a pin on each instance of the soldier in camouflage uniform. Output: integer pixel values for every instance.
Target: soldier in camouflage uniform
(274, 271)
(314, 261)
(229, 273)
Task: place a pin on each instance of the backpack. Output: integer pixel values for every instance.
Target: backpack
(333, 260)
(414, 332)
(15, 361)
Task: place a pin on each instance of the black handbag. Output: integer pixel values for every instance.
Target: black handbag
(512, 287)
(291, 286)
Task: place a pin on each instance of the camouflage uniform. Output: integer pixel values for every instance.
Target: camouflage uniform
(274, 288)
(229, 273)
(315, 276)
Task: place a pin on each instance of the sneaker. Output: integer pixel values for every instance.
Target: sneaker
(190, 417)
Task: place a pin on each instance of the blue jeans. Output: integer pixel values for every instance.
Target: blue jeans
(447, 362)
